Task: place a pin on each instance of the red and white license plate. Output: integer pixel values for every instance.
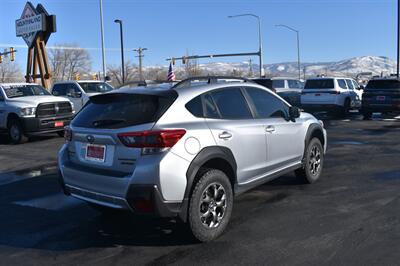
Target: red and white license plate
(381, 98)
(95, 153)
(58, 124)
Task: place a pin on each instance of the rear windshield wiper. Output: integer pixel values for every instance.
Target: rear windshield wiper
(107, 122)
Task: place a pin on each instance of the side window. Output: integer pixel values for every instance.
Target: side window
(350, 84)
(267, 105)
(356, 85)
(1, 95)
(195, 107)
(342, 84)
(59, 90)
(293, 84)
(278, 83)
(231, 104)
(210, 109)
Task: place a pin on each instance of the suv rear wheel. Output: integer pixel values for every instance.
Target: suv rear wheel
(15, 132)
(313, 162)
(210, 205)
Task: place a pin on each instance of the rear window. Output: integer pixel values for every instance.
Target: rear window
(319, 84)
(95, 87)
(383, 84)
(120, 110)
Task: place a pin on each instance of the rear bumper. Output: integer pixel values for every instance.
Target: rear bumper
(380, 108)
(320, 107)
(34, 125)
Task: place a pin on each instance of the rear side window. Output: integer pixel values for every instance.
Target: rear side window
(122, 110)
(383, 84)
(210, 109)
(342, 83)
(278, 84)
(319, 84)
(195, 107)
(231, 104)
(266, 104)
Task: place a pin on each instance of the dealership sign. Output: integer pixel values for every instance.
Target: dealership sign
(30, 24)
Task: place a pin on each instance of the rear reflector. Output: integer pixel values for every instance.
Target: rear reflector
(152, 139)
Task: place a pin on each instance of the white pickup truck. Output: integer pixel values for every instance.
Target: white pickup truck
(29, 109)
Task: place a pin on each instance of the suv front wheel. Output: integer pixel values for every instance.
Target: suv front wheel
(313, 162)
(210, 205)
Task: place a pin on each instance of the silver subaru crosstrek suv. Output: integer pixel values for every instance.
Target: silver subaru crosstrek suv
(186, 151)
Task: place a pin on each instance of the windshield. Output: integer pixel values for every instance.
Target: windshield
(319, 84)
(14, 91)
(383, 84)
(95, 87)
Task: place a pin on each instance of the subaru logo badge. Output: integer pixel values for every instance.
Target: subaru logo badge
(90, 138)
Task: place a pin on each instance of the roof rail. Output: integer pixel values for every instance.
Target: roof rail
(208, 79)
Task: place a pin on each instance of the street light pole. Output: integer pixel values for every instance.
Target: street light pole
(122, 49)
(298, 45)
(260, 49)
(102, 40)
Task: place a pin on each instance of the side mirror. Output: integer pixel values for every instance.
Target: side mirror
(294, 112)
(362, 87)
(107, 78)
(77, 94)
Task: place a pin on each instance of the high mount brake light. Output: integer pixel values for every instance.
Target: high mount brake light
(152, 139)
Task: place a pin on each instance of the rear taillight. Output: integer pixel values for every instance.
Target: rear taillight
(152, 139)
(67, 134)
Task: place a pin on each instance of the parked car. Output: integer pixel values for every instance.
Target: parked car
(28, 109)
(186, 151)
(288, 88)
(78, 92)
(336, 95)
(381, 95)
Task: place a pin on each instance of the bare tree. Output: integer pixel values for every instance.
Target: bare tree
(115, 73)
(10, 72)
(69, 59)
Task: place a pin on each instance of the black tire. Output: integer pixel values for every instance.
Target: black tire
(16, 132)
(204, 228)
(367, 115)
(60, 133)
(309, 173)
(344, 111)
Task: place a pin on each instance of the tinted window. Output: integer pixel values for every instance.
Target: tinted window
(319, 84)
(293, 84)
(122, 110)
(95, 87)
(350, 84)
(278, 84)
(266, 104)
(59, 90)
(355, 84)
(342, 83)
(1, 95)
(231, 104)
(211, 110)
(264, 82)
(195, 107)
(383, 84)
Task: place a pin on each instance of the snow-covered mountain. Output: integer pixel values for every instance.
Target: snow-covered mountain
(377, 65)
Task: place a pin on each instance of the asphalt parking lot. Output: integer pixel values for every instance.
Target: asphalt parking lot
(350, 217)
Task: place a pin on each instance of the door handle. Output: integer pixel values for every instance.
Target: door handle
(270, 129)
(225, 135)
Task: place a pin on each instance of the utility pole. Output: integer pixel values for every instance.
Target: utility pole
(140, 55)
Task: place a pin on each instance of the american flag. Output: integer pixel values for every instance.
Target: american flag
(171, 75)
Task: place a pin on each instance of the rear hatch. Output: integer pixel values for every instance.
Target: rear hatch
(382, 93)
(96, 144)
(319, 91)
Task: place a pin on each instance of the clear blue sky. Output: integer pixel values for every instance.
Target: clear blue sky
(330, 29)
